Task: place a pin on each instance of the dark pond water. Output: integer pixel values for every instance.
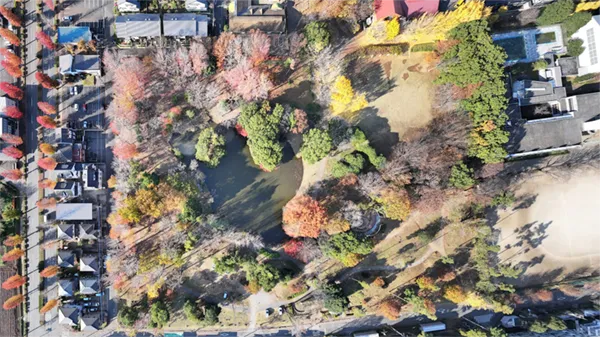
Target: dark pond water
(248, 197)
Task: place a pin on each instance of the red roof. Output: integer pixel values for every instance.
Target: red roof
(406, 8)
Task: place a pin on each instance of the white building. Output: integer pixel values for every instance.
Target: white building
(128, 6)
(196, 5)
(590, 35)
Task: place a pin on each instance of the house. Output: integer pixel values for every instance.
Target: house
(66, 258)
(93, 177)
(196, 5)
(68, 315)
(90, 322)
(64, 136)
(65, 190)
(134, 26)
(128, 6)
(65, 171)
(65, 231)
(185, 24)
(88, 232)
(9, 125)
(266, 15)
(79, 64)
(89, 285)
(386, 9)
(590, 35)
(72, 35)
(89, 263)
(66, 287)
(542, 118)
(74, 211)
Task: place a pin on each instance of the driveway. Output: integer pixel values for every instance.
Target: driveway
(553, 232)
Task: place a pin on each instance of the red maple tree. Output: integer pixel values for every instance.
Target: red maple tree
(13, 112)
(259, 44)
(47, 163)
(10, 37)
(45, 40)
(12, 152)
(292, 248)
(50, 4)
(12, 139)
(12, 69)
(13, 302)
(13, 282)
(125, 150)
(13, 255)
(13, 18)
(15, 174)
(46, 203)
(303, 216)
(46, 121)
(10, 57)
(13, 240)
(12, 91)
(46, 81)
(221, 47)
(47, 108)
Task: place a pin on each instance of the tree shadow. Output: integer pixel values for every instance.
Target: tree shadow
(532, 234)
(525, 201)
(369, 77)
(378, 131)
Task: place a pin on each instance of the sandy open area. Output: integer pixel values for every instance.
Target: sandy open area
(558, 235)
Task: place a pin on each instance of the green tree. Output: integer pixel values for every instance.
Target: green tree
(575, 47)
(316, 145)
(461, 176)
(335, 300)
(159, 314)
(498, 332)
(211, 314)
(10, 213)
(556, 12)
(473, 333)
(317, 35)
(478, 63)
(540, 64)
(538, 326)
(192, 312)
(575, 21)
(147, 180)
(556, 324)
(210, 147)
(345, 246)
(264, 275)
(361, 144)
(127, 316)
(503, 199)
(351, 163)
(231, 262)
(262, 126)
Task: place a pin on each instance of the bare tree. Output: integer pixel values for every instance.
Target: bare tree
(352, 214)
(371, 183)
(327, 66)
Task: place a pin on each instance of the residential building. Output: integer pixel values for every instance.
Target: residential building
(590, 35)
(66, 258)
(266, 15)
(531, 44)
(65, 190)
(66, 171)
(128, 6)
(89, 285)
(134, 26)
(74, 211)
(65, 231)
(66, 287)
(88, 231)
(9, 125)
(79, 64)
(68, 315)
(93, 177)
(386, 9)
(185, 24)
(72, 35)
(89, 263)
(90, 322)
(196, 5)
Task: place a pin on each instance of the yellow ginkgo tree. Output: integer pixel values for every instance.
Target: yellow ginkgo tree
(343, 98)
(587, 6)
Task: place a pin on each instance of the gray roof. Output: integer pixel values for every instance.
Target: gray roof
(68, 315)
(88, 286)
(138, 25)
(88, 232)
(89, 263)
(265, 8)
(86, 63)
(568, 65)
(535, 92)
(66, 288)
(65, 231)
(92, 176)
(185, 24)
(74, 211)
(64, 135)
(133, 2)
(269, 24)
(66, 258)
(588, 106)
(67, 189)
(65, 171)
(90, 322)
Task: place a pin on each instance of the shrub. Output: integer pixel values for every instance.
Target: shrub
(538, 326)
(376, 50)
(423, 47)
(316, 145)
(361, 144)
(540, 64)
(461, 176)
(350, 164)
(584, 78)
(211, 314)
(261, 124)
(503, 199)
(231, 263)
(390, 308)
(392, 28)
(210, 147)
(556, 324)
(395, 204)
(317, 35)
(556, 12)
(575, 47)
(575, 21)
(192, 312)
(335, 300)
(269, 254)
(127, 316)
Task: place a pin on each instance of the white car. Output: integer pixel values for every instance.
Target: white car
(76, 91)
(76, 107)
(280, 310)
(267, 313)
(71, 91)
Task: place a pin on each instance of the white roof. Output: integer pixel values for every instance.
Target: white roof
(74, 212)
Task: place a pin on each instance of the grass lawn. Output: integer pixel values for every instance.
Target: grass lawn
(89, 81)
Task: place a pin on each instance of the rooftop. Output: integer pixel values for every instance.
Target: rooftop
(273, 24)
(185, 24)
(89, 263)
(65, 287)
(90, 322)
(68, 315)
(74, 34)
(65, 231)
(66, 258)
(74, 211)
(138, 25)
(89, 286)
(260, 8)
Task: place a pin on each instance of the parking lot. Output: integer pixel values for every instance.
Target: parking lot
(84, 106)
(96, 14)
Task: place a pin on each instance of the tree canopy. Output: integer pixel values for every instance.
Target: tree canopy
(210, 147)
(262, 126)
(316, 145)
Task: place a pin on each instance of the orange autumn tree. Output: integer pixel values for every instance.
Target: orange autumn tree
(49, 306)
(13, 240)
(47, 149)
(47, 183)
(13, 282)
(11, 90)
(13, 302)
(390, 308)
(111, 182)
(10, 37)
(13, 18)
(46, 203)
(125, 150)
(47, 108)
(303, 216)
(49, 271)
(47, 163)
(46, 121)
(14, 174)
(13, 255)
(12, 69)
(10, 57)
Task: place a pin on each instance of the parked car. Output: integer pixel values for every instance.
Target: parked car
(71, 91)
(75, 88)
(85, 107)
(68, 18)
(268, 312)
(280, 310)
(76, 107)
(86, 124)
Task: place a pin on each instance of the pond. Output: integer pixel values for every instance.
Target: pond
(245, 195)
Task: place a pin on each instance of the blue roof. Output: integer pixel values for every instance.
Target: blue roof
(74, 34)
